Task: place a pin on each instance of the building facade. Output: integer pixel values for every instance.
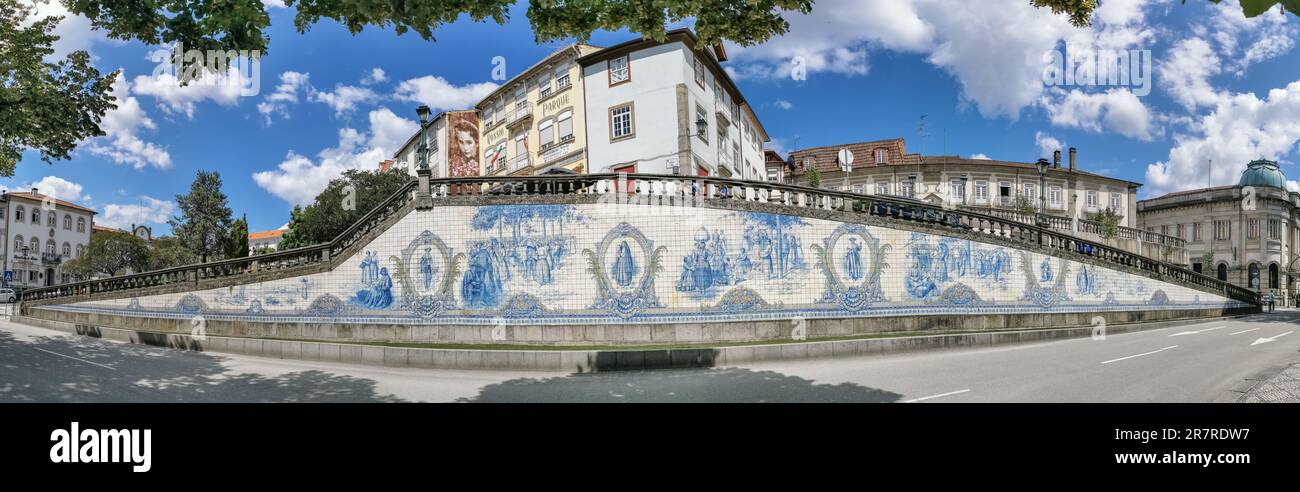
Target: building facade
(266, 239)
(42, 233)
(452, 138)
(669, 108)
(1244, 233)
(535, 122)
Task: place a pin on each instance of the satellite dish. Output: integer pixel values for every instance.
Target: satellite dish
(845, 158)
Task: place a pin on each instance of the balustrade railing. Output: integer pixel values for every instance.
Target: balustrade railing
(665, 190)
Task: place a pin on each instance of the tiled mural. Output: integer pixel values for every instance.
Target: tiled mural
(602, 263)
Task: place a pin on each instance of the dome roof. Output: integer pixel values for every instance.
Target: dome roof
(1263, 172)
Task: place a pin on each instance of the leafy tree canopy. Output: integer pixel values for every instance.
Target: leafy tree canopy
(205, 220)
(344, 201)
(108, 254)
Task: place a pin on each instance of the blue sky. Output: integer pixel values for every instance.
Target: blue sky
(1225, 88)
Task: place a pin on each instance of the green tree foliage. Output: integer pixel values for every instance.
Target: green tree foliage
(237, 247)
(168, 252)
(812, 177)
(329, 216)
(205, 220)
(108, 254)
(1108, 223)
(47, 107)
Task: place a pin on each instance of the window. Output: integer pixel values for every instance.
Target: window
(620, 70)
(521, 97)
(981, 191)
(501, 109)
(67, 249)
(908, 186)
(1054, 196)
(1222, 229)
(882, 187)
(699, 72)
(433, 143)
(1179, 233)
(35, 246)
(1223, 272)
(1164, 230)
(1004, 192)
(19, 214)
(620, 122)
(1031, 193)
(81, 249)
(543, 85)
(1252, 229)
(1274, 229)
(1196, 231)
(561, 77)
(857, 188)
(18, 243)
(54, 219)
(36, 216)
(81, 224)
(67, 222)
(702, 115)
(488, 116)
(521, 149)
(881, 156)
(546, 133)
(957, 189)
(1092, 200)
(1115, 202)
(564, 126)
(49, 247)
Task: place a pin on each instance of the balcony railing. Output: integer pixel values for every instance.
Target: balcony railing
(523, 111)
(651, 189)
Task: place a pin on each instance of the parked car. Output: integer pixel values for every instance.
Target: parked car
(9, 295)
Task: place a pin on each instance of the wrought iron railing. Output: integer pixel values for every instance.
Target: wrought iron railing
(668, 190)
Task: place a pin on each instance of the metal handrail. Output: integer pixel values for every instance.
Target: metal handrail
(661, 187)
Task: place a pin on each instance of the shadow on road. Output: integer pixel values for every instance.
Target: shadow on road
(679, 385)
(134, 373)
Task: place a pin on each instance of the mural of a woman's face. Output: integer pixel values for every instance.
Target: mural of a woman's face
(465, 141)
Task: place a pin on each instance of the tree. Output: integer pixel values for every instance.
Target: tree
(237, 247)
(47, 107)
(1207, 262)
(812, 176)
(345, 200)
(205, 220)
(168, 252)
(1025, 206)
(110, 253)
(1107, 223)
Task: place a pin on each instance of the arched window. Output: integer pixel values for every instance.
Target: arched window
(1272, 276)
(20, 214)
(36, 246)
(67, 249)
(1223, 272)
(49, 247)
(1254, 276)
(36, 216)
(18, 243)
(54, 219)
(81, 224)
(67, 222)
(81, 249)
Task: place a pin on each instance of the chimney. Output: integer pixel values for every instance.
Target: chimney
(1074, 158)
(1056, 159)
(34, 193)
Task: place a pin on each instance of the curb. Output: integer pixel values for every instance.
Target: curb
(580, 361)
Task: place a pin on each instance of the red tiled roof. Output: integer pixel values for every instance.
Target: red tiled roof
(253, 236)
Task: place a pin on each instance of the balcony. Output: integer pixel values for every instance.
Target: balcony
(51, 258)
(523, 112)
(520, 162)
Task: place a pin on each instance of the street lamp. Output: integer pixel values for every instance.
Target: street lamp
(1042, 191)
(422, 152)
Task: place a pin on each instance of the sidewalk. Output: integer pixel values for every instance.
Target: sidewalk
(1283, 387)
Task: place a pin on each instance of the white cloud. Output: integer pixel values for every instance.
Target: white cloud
(298, 179)
(981, 157)
(1265, 36)
(286, 94)
(175, 98)
(1241, 128)
(121, 142)
(1117, 109)
(1047, 144)
(1185, 73)
(441, 95)
(149, 210)
(54, 186)
(74, 31)
(376, 76)
(345, 98)
(783, 104)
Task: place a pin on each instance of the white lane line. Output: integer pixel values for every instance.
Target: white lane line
(940, 395)
(75, 358)
(1140, 355)
(1243, 331)
(1194, 332)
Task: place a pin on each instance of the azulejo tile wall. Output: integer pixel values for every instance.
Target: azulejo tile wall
(627, 263)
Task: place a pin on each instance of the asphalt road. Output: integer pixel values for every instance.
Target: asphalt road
(1191, 363)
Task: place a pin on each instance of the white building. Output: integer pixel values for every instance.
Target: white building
(40, 234)
(266, 239)
(669, 108)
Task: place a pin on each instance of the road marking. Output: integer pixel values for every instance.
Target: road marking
(1274, 339)
(75, 358)
(940, 395)
(1195, 332)
(1243, 331)
(1140, 355)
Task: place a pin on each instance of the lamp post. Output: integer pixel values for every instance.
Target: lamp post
(1042, 192)
(422, 151)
